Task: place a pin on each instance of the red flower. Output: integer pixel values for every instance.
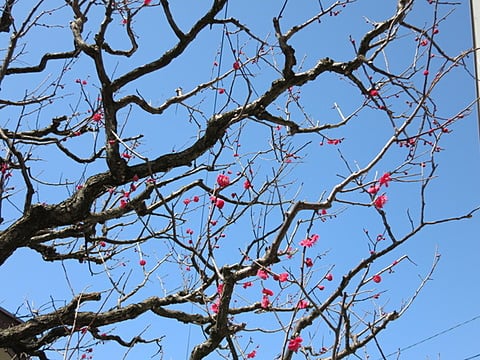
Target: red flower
(223, 180)
(220, 289)
(376, 278)
(373, 92)
(265, 302)
(373, 189)
(147, 2)
(186, 201)
(196, 198)
(385, 179)
(247, 184)
(97, 117)
(252, 354)
(236, 65)
(303, 304)
(218, 202)
(295, 343)
(142, 262)
(247, 284)
(221, 90)
(267, 292)
(380, 201)
(262, 274)
(189, 231)
(329, 277)
(321, 287)
(215, 305)
(123, 203)
(310, 241)
(282, 277)
(308, 262)
(334, 141)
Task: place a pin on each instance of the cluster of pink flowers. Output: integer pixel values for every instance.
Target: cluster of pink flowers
(295, 344)
(223, 180)
(381, 200)
(310, 241)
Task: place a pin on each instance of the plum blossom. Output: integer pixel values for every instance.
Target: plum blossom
(385, 179)
(281, 277)
(295, 343)
(265, 303)
(380, 201)
(223, 180)
(310, 241)
(219, 203)
(262, 274)
(267, 292)
(303, 304)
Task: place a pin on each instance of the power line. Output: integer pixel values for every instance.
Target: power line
(436, 335)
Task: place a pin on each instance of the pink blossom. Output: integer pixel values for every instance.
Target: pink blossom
(262, 274)
(385, 179)
(295, 343)
(247, 184)
(247, 284)
(223, 180)
(252, 354)
(267, 292)
(373, 189)
(214, 307)
(218, 202)
(380, 201)
(334, 141)
(303, 304)
(97, 117)
(186, 201)
(236, 65)
(265, 303)
(376, 278)
(281, 277)
(308, 262)
(310, 241)
(329, 277)
(196, 198)
(142, 262)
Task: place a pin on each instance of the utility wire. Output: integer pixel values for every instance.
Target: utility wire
(436, 335)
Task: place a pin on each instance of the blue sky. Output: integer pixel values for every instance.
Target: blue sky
(448, 299)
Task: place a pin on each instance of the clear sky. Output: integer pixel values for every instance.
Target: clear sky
(444, 320)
